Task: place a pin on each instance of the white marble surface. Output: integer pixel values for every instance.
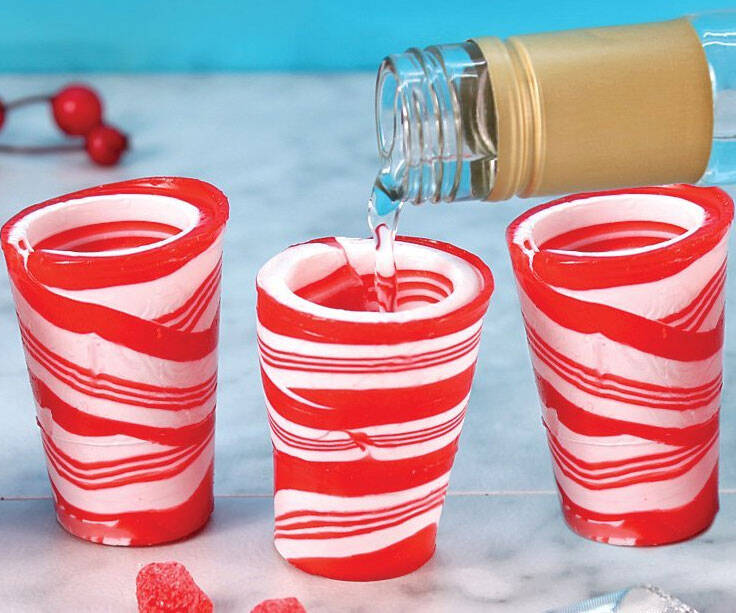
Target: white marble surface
(495, 553)
(296, 156)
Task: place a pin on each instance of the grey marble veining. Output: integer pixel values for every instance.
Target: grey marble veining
(296, 156)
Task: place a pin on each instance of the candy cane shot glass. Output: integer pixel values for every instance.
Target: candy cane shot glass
(365, 408)
(117, 291)
(622, 295)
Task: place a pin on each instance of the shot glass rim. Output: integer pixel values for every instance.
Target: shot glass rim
(473, 309)
(588, 270)
(82, 270)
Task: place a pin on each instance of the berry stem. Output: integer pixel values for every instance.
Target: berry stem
(14, 104)
(41, 148)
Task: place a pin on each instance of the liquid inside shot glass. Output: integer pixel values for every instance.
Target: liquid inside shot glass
(622, 295)
(365, 408)
(117, 291)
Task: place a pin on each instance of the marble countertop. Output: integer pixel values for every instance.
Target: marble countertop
(296, 156)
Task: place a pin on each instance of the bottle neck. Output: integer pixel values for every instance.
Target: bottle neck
(434, 124)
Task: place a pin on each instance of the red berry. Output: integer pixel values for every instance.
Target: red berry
(279, 605)
(105, 145)
(77, 109)
(164, 587)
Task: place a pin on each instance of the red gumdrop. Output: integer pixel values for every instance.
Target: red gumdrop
(279, 605)
(2, 113)
(167, 587)
(77, 109)
(105, 145)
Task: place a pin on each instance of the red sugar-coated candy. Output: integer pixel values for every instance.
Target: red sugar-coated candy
(279, 605)
(105, 145)
(77, 109)
(167, 587)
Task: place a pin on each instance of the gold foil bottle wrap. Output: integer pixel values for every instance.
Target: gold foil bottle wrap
(599, 108)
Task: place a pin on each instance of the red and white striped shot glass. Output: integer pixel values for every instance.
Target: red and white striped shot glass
(366, 408)
(622, 295)
(117, 291)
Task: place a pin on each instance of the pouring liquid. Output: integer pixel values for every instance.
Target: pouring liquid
(384, 208)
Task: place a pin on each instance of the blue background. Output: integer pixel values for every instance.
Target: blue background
(157, 35)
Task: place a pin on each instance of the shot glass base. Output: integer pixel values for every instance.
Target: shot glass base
(646, 529)
(143, 528)
(395, 561)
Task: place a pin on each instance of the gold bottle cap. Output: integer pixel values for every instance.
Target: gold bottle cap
(599, 108)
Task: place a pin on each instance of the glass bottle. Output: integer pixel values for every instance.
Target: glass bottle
(551, 113)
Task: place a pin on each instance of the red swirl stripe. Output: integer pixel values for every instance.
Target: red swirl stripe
(188, 314)
(117, 295)
(694, 314)
(606, 385)
(365, 414)
(363, 441)
(100, 385)
(85, 424)
(558, 410)
(293, 361)
(622, 298)
(344, 525)
(117, 327)
(371, 407)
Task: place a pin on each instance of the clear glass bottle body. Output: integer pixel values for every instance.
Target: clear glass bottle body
(717, 32)
(435, 118)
